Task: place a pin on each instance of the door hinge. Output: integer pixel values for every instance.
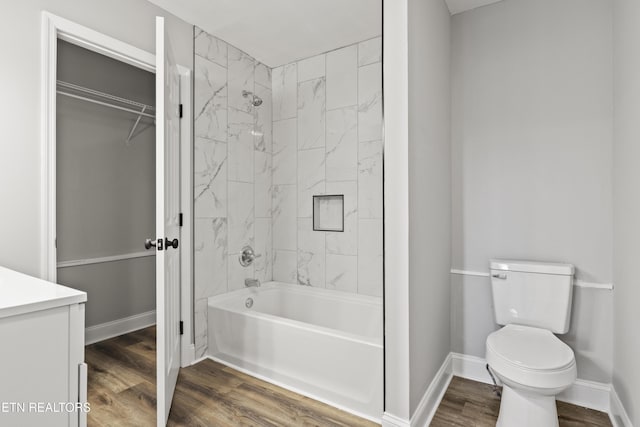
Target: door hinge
(180, 110)
(181, 327)
(180, 219)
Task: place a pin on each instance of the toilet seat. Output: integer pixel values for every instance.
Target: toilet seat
(532, 357)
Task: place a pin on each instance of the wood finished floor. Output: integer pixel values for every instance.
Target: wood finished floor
(472, 404)
(122, 392)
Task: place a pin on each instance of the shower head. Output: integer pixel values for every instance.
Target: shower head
(256, 101)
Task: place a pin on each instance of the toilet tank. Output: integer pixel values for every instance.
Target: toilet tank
(532, 293)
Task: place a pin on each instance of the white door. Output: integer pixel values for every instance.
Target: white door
(167, 222)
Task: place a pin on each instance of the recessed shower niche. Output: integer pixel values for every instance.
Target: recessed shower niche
(328, 213)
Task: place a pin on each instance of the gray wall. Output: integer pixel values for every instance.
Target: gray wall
(532, 138)
(115, 290)
(532, 117)
(429, 192)
(105, 187)
(626, 180)
(132, 21)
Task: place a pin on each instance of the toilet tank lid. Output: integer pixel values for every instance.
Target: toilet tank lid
(532, 267)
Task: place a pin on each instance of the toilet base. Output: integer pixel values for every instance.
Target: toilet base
(523, 409)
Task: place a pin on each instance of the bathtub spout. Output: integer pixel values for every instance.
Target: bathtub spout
(251, 283)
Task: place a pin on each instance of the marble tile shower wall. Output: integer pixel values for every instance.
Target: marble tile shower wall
(257, 168)
(232, 172)
(327, 139)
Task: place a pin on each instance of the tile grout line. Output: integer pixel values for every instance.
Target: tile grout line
(332, 50)
(270, 168)
(358, 168)
(253, 146)
(297, 222)
(326, 91)
(226, 47)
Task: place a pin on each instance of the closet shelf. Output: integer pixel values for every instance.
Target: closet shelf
(83, 93)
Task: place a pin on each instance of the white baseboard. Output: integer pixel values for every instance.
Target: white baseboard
(200, 359)
(470, 367)
(390, 420)
(435, 392)
(428, 404)
(188, 355)
(118, 327)
(617, 413)
(585, 393)
(589, 394)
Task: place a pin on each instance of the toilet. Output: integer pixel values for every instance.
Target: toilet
(532, 301)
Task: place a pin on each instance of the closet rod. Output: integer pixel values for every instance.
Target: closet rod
(107, 104)
(96, 93)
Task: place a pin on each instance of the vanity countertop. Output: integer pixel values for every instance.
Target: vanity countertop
(20, 294)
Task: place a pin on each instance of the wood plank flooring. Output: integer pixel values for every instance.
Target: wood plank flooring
(122, 392)
(472, 404)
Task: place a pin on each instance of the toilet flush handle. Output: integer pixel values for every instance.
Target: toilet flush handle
(501, 276)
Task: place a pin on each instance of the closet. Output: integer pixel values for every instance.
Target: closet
(105, 188)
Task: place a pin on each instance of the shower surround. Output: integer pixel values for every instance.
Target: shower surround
(327, 139)
(257, 168)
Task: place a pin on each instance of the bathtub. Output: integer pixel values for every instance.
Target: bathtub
(321, 343)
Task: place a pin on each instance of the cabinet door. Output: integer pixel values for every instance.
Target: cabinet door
(35, 369)
(77, 367)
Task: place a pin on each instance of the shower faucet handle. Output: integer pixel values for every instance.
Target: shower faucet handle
(247, 256)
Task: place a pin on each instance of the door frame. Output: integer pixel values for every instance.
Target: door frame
(53, 28)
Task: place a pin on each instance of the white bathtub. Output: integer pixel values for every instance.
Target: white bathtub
(321, 343)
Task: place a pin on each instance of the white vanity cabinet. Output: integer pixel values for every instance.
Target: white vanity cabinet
(43, 377)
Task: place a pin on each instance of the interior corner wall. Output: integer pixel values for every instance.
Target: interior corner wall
(532, 141)
(417, 203)
(429, 192)
(626, 205)
(396, 210)
(132, 21)
(232, 173)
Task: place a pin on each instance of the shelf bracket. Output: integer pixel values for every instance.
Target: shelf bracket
(135, 125)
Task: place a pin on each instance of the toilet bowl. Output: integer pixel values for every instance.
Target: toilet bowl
(532, 301)
(533, 366)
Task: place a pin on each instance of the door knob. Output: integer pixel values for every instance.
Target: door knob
(171, 243)
(148, 243)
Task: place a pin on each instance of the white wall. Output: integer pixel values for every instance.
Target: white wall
(532, 139)
(626, 199)
(417, 172)
(429, 191)
(129, 21)
(395, 75)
